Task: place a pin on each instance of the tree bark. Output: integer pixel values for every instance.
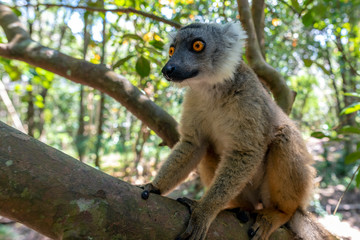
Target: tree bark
(284, 97)
(63, 198)
(22, 47)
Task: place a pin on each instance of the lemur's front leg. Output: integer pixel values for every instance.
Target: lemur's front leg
(236, 169)
(183, 159)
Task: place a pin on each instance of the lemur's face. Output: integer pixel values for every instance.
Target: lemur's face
(204, 53)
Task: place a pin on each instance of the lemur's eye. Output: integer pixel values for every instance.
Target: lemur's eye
(171, 51)
(198, 46)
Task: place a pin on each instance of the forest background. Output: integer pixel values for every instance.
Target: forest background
(313, 44)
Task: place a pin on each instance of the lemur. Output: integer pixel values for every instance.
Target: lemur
(249, 154)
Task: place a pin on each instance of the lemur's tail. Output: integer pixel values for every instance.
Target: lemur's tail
(307, 227)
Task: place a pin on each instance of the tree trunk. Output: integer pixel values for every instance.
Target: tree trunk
(99, 130)
(30, 114)
(63, 198)
(80, 135)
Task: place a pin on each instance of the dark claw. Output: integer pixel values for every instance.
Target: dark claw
(145, 194)
(251, 232)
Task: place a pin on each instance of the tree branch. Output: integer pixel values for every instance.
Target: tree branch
(10, 107)
(63, 198)
(116, 10)
(21, 47)
(258, 14)
(282, 93)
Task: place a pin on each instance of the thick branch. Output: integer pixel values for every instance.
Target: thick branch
(116, 10)
(63, 198)
(21, 47)
(282, 94)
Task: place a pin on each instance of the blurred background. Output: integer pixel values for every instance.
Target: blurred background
(314, 44)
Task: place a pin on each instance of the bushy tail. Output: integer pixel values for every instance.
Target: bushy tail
(307, 227)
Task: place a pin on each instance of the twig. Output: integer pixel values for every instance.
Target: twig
(294, 9)
(10, 107)
(291, 7)
(343, 54)
(347, 188)
(116, 10)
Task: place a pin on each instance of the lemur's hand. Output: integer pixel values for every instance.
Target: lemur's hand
(198, 225)
(148, 188)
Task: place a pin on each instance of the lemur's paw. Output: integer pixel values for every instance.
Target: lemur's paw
(197, 227)
(148, 188)
(261, 229)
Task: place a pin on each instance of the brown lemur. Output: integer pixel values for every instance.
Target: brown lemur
(249, 154)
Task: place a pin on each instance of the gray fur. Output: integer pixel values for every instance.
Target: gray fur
(224, 45)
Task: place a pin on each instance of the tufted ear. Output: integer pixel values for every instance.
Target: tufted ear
(234, 32)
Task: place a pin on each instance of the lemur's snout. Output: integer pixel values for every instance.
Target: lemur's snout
(176, 73)
(168, 70)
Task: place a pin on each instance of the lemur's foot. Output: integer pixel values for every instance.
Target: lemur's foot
(148, 188)
(191, 204)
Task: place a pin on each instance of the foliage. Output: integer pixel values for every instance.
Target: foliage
(315, 44)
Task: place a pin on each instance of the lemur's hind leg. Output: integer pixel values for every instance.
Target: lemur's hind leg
(267, 221)
(287, 185)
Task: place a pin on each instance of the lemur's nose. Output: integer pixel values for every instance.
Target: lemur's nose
(168, 69)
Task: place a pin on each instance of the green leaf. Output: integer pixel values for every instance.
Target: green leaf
(122, 61)
(17, 88)
(320, 10)
(350, 129)
(153, 50)
(350, 109)
(357, 179)
(308, 19)
(353, 94)
(46, 84)
(133, 36)
(142, 67)
(17, 12)
(296, 5)
(157, 44)
(102, 15)
(39, 98)
(319, 135)
(352, 157)
(29, 87)
(39, 104)
(322, 68)
(308, 62)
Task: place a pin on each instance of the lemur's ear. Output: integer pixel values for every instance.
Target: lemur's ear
(234, 32)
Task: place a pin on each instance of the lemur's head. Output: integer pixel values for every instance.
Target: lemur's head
(205, 53)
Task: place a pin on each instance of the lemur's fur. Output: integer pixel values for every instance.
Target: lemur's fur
(248, 152)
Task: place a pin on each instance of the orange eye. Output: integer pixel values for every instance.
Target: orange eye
(171, 51)
(198, 46)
